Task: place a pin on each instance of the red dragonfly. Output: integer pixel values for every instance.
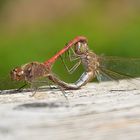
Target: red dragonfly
(33, 71)
(94, 65)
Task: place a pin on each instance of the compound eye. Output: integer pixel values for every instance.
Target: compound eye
(20, 73)
(15, 70)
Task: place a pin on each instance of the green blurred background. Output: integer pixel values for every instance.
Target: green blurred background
(32, 30)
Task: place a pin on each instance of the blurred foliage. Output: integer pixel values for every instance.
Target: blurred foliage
(2, 4)
(112, 28)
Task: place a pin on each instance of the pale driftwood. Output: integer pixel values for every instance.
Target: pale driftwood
(106, 111)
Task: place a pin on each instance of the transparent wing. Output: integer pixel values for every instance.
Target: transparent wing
(115, 68)
(120, 67)
(102, 76)
(108, 75)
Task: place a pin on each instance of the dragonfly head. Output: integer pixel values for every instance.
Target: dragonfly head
(17, 74)
(81, 48)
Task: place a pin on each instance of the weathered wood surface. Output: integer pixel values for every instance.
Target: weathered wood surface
(106, 111)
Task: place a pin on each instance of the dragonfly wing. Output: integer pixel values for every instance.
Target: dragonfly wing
(108, 75)
(130, 67)
(102, 76)
(115, 68)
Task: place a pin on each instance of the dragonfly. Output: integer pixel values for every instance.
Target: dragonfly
(104, 68)
(94, 66)
(33, 71)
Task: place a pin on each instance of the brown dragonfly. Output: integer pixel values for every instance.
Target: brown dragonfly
(103, 68)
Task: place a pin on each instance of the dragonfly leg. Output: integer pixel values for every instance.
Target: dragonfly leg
(50, 84)
(73, 68)
(71, 58)
(34, 89)
(33, 94)
(63, 92)
(74, 56)
(57, 82)
(19, 89)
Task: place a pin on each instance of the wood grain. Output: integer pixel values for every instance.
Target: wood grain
(102, 111)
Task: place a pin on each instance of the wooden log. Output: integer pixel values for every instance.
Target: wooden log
(105, 111)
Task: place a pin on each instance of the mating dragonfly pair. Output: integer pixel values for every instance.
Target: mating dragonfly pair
(101, 67)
